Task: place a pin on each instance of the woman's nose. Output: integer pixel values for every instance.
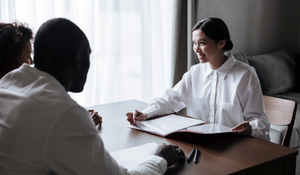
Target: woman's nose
(197, 49)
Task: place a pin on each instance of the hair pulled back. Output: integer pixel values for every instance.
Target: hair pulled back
(216, 29)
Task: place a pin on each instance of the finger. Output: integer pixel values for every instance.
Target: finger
(181, 154)
(138, 118)
(129, 114)
(175, 146)
(91, 110)
(135, 113)
(129, 119)
(239, 126)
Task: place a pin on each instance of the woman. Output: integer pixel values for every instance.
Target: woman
(15, 46)
(218, 90)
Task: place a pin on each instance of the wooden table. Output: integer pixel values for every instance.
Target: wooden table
(220, 154)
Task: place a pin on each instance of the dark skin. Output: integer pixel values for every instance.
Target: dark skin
(67, 82)
(171, 153)
(95, 116)
(72, 75)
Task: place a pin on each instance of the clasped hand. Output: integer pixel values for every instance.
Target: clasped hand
(95, 116)
(171, 153)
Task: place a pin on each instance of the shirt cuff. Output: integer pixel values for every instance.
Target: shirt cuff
(256, 131)
(151, 111)
(160, 161)
(153, 165)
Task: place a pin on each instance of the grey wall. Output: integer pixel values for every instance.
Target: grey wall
(257, 26)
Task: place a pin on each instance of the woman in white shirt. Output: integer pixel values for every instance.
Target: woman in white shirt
(219, 89)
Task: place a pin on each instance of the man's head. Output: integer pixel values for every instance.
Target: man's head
(62, 50)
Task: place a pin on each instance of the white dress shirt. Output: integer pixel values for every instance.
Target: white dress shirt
(229, 95)
(42, 130)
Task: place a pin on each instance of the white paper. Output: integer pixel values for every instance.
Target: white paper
(131, 157)
(167, 124)
(210, 128)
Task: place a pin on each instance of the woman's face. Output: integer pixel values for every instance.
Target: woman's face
(207, 49)
(25, 56)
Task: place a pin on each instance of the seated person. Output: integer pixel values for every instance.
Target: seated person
(218, 90)
(15, 49)
(44, 131)
(15, 46)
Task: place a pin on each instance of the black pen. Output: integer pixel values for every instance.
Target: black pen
(196, 155)
(190, 157)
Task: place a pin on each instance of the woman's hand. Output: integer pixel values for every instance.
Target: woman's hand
(96, 117)
(243, 128)
(134, 116)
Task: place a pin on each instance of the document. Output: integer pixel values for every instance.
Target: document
(132, 157)
(166, 125)
(210, 128)
(169, 124)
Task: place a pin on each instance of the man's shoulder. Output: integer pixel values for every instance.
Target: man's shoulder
(30, 84)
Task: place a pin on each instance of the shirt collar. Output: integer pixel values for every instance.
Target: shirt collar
(225, 67)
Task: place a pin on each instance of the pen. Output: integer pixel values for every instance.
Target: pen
(190, 157)
(196, 155)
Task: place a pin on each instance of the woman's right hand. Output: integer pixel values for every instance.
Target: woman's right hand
(136, 115)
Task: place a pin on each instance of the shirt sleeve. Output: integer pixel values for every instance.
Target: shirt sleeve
(76, 148)
(251, 98)
(173, 100)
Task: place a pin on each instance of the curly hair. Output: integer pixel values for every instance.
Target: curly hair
(13, 39)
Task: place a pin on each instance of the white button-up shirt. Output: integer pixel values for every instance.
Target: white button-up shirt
(228, 96)
(43, 130)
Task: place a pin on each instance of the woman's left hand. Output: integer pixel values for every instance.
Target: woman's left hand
(243, 128)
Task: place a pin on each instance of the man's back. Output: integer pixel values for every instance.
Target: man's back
(32, 105)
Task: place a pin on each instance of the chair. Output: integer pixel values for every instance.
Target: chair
(281, 112)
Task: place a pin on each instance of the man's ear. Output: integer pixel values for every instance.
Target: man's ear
(76, 59)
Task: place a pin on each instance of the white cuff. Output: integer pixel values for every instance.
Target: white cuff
(151, 111)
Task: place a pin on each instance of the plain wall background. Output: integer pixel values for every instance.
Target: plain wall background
(257, 26)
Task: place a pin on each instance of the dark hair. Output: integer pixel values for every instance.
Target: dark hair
(216, 29)
(55, 41)
(13, 39)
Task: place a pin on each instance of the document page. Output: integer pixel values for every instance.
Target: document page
(211, 128)
(168, 124)
(132, 157)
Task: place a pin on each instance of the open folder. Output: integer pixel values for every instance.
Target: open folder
(169, 124)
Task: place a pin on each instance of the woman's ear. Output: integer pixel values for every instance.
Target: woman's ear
(222, 43)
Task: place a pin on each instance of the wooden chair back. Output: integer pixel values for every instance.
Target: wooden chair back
(281, 112)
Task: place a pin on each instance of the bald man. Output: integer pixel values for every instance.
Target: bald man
(42, 130)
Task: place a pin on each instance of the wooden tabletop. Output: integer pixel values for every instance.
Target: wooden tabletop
(219, 154)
